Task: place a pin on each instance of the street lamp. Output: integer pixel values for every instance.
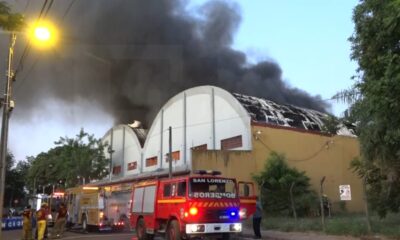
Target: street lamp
(43, 37)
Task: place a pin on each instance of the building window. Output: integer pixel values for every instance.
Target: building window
(200, 147)
(132, 166)
(151, 161)
(231, 143)
(175, 156)
(116, 170)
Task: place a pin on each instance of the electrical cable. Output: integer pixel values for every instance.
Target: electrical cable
(48, 8)
(27, 48)
(326, 144)
(26, 6)
(68, 9)
(43, 13)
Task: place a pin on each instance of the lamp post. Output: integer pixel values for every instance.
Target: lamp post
(40, 34)
(7, 107)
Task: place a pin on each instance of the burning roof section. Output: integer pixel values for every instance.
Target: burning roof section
(265, 111)
(141, 135)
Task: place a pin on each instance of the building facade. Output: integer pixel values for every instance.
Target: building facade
(214, 129)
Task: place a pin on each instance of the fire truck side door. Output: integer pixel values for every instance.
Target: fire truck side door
(144, 204)
(247, 199)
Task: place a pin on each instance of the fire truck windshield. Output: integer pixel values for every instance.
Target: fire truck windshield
(208, 187)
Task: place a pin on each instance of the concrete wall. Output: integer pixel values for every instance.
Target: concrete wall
(126, 149)
(318, 155)
(198, 116)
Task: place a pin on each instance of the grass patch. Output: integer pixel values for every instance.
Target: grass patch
(288, 224)
(344, 224)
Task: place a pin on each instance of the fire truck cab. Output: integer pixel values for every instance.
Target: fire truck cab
(189, 206)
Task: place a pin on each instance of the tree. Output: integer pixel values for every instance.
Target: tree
(10, 21)
(376, 100)
(275, 182)
(15, 181)
(331, 124)
(73, 161)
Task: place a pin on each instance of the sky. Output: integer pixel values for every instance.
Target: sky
(307, 38)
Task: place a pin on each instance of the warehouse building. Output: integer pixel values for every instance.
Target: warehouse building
(215, 129)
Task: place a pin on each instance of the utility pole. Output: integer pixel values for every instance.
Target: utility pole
(4, 125)
(170, 152)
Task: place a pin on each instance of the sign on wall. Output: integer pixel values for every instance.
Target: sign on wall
(345, 192)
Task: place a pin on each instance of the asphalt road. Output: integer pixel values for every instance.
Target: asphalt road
(17, 234)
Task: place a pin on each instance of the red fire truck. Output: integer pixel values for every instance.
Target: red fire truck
(190, 206)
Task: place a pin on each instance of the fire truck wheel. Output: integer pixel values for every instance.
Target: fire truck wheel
(141, 230)
(173, 232)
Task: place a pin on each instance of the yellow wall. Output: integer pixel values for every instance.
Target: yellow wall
(317, 155)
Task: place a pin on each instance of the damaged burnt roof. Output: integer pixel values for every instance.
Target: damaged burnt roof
(265, 111)
(141, 135)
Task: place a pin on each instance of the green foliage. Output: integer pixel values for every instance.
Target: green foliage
(383, 195)
(10, 21)
(376, 48)
(73, 161)
(15, 181)
(287, 224)
(275, 181)
(331, 125)
(345, 224)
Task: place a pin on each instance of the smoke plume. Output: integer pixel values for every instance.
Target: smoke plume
(129, 57)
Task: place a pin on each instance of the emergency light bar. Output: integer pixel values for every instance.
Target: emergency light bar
(208, 172)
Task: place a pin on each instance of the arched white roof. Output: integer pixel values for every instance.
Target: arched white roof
(204, 117)
(124, 148)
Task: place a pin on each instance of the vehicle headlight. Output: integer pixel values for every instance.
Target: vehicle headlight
(243, 213)
(235, 227)
(195, 228)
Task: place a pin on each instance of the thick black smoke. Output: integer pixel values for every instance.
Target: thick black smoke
(130, 56)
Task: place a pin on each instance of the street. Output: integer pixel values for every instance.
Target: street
(16, 235)
(247, 234)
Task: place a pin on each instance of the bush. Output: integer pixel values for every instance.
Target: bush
(275, 181)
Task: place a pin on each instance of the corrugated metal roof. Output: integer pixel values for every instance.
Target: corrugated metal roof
(262, 110)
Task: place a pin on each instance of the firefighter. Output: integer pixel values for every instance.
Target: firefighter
(60, 221)
(41, 217)
(257, 216)
(27, 223)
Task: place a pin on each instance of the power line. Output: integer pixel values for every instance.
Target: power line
(26, 5)
(68, 9)
(323, 146)
(48, 8)
(27, 48)
(28, 73)
(43, 13)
